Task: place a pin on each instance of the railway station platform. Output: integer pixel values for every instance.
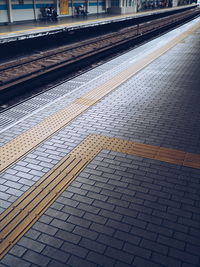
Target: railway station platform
(17, 32)
(104, 169)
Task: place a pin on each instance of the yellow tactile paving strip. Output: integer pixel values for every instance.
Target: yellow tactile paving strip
(22, 144)
(22, 214)
(88, 21)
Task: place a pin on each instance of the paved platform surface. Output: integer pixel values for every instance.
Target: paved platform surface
(123, 208)
(15, 32)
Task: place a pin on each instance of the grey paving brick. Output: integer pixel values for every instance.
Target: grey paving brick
(94, 173)
(171, 242)
(163, 215)
(50, 240)
(150, 218)
(187, 265)
(104, 185)
(56, 254)
(36, 173)
(34, 167)
(13, 261)
(118, 202)
(62, 225)
(92, 245)
(18, 251)
(13, 185)
(25, 176)
(119, 255)
(122, 264)
(110, 176)
(118, 225)
(131, 198)
(111, 215)
(26, 182)
(4, 204)
(67, 194)
(180, 212)
(97, 196)
(54, 263)
(83, 199)
(187, 238)
(160, 194)
(77, 190)
(67, 236)
(102, 229)
(192, 249)
(31, 244)
(188, 222)
(169, 203)
(154, 205)
(146, 196)
(68, 201)
(160, 229)
(11, 171)
(140, 208)
(44, 228)
(78, 262)
(111, 193)
(144, 233)
(96, 178)
(4, 196)
(144, 263)
(128, 212)
(12, 199)
(74, 249)
(95, 218)
(79, 221)
(154, 246)
(168, 261)
(188, 258)
(91, 188)
(36, 258)
(110, 241)
(22, 169)
(57, 206)
(102, 204)
(56, 213)
(85, 233)
(33, 234)
(73, 211)
(100, 259)
(127, 237)
(90, 208)
(175, 226)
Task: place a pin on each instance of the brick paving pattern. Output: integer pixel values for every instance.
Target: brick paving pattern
(121, 210)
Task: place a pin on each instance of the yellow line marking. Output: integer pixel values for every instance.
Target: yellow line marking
(22, 214)
(86, 22)
(25, 142)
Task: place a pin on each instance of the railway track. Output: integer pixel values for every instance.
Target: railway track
(29, 68)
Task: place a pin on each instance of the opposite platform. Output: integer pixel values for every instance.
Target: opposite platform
(16, 32)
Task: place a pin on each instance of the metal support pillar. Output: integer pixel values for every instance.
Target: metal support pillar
(57, 7)
(34, 10)
(106, 4)
(72, 11)
(174, 3)
(10, 16)
(87, 6)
